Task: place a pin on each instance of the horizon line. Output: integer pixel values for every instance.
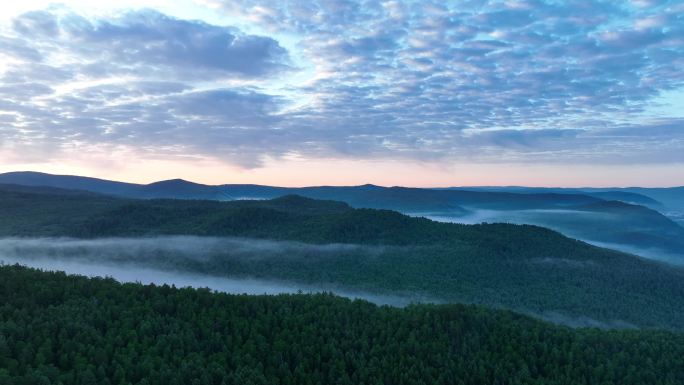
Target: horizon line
(341, 185)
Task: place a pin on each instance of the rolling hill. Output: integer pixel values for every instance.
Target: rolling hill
(68, 329)
(520, 267)
(634, 228)
(616, 194)
(668, 200)
(402, 199)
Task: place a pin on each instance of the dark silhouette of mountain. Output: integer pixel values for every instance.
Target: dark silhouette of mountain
(626, 196)
(647, 228)
(667, 200)
(370, 196)
(179, 189)
(604, 194)
(44, 190)
(672, 199)
(618, 206)
(646, 221)
(70, 182)
(172, 189)
(417, 200)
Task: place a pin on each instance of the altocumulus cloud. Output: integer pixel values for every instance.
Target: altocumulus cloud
(145, 42)
(135, 80)
(516, 81)
(420, 78)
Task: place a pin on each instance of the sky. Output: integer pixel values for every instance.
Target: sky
(344, 92)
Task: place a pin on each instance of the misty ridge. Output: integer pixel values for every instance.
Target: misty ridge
(312, 244)
(198, 248)
(182, 253)
(646, 222)
(163, 260)
(603, 229)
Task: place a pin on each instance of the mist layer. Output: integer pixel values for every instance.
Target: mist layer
(156, 260)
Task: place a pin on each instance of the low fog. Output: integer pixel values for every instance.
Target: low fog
(194, 247)
(153, 260)
(677, 216)
(644, 252)
(581, 322)
(592, 227)
(137, 260)
(531, 216)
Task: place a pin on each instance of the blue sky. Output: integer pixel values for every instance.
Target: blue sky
(558, 93)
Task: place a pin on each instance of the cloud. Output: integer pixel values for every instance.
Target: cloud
(523, 81)
(37, 24)
(532, 76)
(145, 42)
(523, 139)
(137, 80)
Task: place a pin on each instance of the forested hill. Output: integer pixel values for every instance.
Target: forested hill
(289, 218)
(58, 329)
(286, 218)
(526, 268)
(652, 235)
(367, 196)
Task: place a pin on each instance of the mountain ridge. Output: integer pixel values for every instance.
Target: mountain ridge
(522, 267)
(523, 205)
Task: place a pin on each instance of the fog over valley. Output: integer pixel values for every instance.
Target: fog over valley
(604, 229)
(162, 261)
(144, 249)
(158, 260)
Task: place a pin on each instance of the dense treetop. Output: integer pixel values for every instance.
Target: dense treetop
(59, 329)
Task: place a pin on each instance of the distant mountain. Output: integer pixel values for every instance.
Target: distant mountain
(667, 200)
(672, 199)
(622, 226)
(413, 200)
(647, 233)
(69, 182)
(44, 190)
(647, 229)
(179, 189)
(616, 206)
(633, 228)
(649, 222)
(668, 195)
(625, 196)
(604, 194)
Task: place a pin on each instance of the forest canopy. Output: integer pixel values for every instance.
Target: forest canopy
(59, 329)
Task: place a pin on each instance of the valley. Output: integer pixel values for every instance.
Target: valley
(309, 243)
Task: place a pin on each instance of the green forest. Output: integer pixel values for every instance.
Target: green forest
(525, 268)
(59, 329)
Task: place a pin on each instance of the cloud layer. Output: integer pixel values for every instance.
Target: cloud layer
(513, 81)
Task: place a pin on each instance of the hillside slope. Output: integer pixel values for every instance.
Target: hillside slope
(65, 329)
(69, 182)
(521, 267)
(367, 196)
(627, 230)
